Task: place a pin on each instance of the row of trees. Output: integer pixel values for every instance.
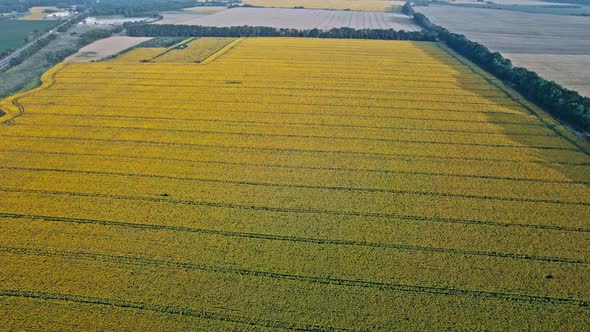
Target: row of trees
(137, 8)
(561, 102)
(156, 30)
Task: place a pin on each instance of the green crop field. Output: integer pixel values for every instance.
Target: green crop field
(13, 32)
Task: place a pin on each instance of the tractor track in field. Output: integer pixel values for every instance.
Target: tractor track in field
(300, 186)
(298, 124)
(166, 83)
(505, 146)
(159, 199)
(300, 81)
(296, 239)
(315, 168)
(354, 98)
(166, 309)
(16, 100)
(396, 287)
(358, 154)
(344, 115)
(230, 87)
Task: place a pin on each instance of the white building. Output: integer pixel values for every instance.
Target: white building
(60, 15)
(114, 21)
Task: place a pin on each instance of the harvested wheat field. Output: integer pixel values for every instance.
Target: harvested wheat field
(297, 19)
(557, 47)
(299, 184)
(568, 70)
(103, 48)
(360, 5)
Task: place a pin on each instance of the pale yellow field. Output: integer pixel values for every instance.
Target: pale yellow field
(36, 13)
(284, 183)
(362, 5)
(104, 48)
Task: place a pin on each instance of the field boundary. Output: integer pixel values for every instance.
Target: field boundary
(301, 186)
(291, 166)
(221, 51)
(320, 280)
(11, 106)
(166, 309)
(308, 211)
(172, 48)
(543, 117)
(287, 238)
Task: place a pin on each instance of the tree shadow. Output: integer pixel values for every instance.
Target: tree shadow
(547, 145)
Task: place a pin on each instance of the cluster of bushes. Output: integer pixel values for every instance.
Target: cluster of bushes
(155, 30)
(561, 102)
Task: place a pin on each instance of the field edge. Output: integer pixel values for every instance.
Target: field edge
(10, 105)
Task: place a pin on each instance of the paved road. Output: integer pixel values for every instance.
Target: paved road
(5, 62)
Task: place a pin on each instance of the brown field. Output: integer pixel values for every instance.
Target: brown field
(103, 48)
(535, 41)
(295, 19)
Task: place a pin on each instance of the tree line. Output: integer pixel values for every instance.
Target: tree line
(137, 8)
(561, 102)
(158, 30)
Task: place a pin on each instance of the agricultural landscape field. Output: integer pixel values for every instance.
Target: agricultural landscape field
(533, 40)
(295, 19)
(362, 5)
(37, 13)
(290, 183)
(104, 48)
